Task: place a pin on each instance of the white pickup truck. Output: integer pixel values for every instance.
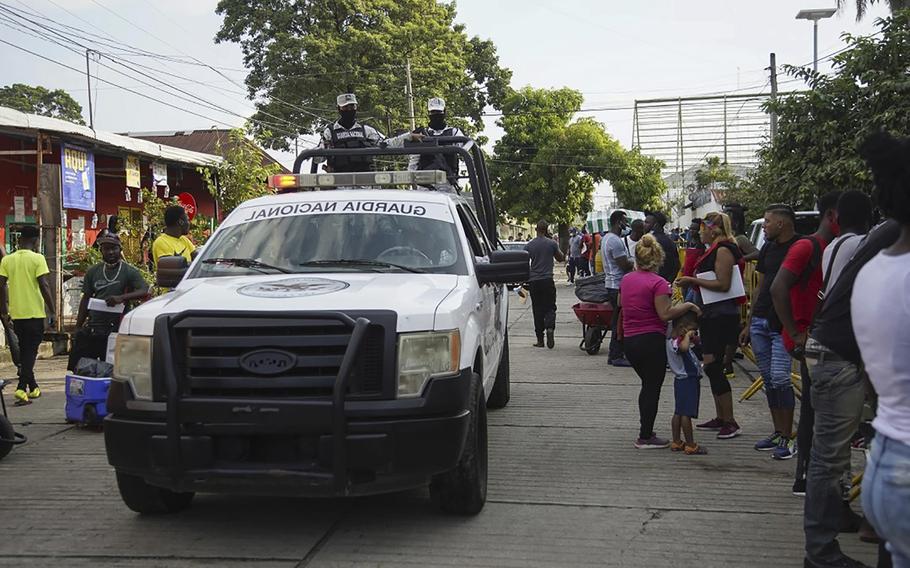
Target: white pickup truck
(325, 343)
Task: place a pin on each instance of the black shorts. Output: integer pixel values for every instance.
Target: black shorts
(717, 333)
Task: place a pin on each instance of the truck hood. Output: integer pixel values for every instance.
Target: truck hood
(414, 297)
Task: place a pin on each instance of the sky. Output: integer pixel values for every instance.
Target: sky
(613, 52)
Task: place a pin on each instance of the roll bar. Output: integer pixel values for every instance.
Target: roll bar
(445, 145)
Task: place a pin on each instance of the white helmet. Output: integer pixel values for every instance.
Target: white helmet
(436, 104)
(346, 99)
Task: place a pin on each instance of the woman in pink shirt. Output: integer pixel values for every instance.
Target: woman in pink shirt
(646, 309)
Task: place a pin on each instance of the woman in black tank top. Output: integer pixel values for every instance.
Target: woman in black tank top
(719, 324)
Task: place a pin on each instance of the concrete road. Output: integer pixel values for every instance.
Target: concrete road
(566, 489)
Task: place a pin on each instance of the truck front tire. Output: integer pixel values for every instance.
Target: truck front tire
(150, 500)
(463, 490)
(499, 396)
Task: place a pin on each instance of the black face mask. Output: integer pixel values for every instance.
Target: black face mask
(347, 118)
(438, 120)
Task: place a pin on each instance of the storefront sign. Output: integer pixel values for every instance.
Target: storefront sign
(189, 204)
(78, 178)
(78, 229)
(159, 174)
(19, 209)
(132, 171)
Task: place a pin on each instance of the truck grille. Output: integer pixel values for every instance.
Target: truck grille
(217, 353)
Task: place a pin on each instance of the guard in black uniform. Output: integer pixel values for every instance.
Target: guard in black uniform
(346, 132)
(437, 126)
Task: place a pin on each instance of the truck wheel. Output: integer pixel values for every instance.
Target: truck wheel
(463, 490)
(7, 435)
(499, 397)
(150, 500)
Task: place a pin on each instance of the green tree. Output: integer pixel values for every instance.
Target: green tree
(640, 185)
(716, 175)
(241, 176)
(863, 5)
(38, 100)
(819, 130)
(302, 53)
(546, 167)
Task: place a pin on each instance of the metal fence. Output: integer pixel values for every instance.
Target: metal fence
(683, 132)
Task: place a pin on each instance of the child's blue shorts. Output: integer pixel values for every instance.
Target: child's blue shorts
(688, 395)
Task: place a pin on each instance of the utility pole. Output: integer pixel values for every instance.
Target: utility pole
(88, 78)
(773, 69)
(410, 95)
(815, 45)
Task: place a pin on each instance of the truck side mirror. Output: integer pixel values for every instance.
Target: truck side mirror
(170, 271)
(505, 267)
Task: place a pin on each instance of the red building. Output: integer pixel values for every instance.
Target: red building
(20, 164)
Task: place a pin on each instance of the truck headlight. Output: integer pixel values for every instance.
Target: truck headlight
(133, 363)
(422, 356)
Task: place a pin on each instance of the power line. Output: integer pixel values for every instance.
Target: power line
(194, 99)
(143, 53)
(141, 94)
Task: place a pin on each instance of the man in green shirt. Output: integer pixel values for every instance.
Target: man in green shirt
(112, 283)
(25, 301)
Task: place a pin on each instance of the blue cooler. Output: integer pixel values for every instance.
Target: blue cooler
(86, 399)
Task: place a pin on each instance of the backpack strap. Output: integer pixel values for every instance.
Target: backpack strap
(813, 263)
(827, 278)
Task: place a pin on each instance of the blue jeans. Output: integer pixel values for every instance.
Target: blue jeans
(773, 363)
(886, 495)
(837, 394)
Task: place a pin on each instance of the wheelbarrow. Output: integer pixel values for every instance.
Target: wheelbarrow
(595, 321)
(8, 436)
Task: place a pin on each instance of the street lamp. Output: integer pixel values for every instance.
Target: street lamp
(815, 16)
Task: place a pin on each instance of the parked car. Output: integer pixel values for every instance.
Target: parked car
(806, 224)
(513, 245)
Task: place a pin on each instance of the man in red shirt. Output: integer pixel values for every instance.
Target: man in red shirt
(795, 294)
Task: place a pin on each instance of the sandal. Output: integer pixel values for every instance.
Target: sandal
(695, 450)
(677, 446)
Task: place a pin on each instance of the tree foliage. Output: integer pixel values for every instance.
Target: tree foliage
(863, 5)
(38, 100)
(820, 130)
(640, 185)
(546, 166)
(302, 53)
(241, 176)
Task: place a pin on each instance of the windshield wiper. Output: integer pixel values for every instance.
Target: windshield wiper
(246, 263)
(361, 262)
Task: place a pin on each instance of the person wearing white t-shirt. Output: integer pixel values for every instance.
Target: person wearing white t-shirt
(617, 264)
(880, 309)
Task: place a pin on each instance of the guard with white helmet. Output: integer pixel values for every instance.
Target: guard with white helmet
(436, 109)
(346, 132)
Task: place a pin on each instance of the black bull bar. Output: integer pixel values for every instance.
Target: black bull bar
(164, 329)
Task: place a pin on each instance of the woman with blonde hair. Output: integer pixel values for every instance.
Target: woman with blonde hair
(646, 309)
(720, 321)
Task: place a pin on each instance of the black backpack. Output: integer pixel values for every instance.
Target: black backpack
(833, 325)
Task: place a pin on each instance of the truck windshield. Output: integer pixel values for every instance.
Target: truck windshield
(355, 242)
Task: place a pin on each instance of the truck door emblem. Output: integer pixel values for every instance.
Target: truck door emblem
(267, 362)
